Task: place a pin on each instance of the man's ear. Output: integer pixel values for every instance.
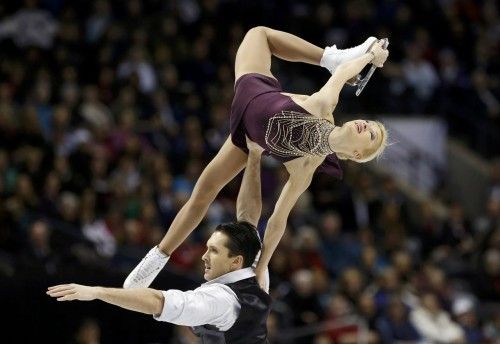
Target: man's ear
(356, 155)
(237, 262)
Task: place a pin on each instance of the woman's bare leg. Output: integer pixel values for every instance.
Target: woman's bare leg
(225, 166)
(221, 170)
(260, 43)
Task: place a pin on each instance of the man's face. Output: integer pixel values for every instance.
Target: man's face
(216, 258)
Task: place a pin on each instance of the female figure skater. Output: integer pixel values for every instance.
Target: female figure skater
(296, 129)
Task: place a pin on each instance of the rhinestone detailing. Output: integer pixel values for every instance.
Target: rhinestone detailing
(292, 134)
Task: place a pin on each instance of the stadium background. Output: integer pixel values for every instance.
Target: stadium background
(109, 110)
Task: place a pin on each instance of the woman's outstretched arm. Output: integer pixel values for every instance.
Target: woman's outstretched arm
(277, 222)
(325, 100)
(301, 172)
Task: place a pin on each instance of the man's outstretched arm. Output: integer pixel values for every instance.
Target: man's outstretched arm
(143, 300)
(189, 308)
(249, 201)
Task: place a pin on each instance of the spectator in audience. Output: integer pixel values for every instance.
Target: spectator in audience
(394, 324)
(386, 285)
(339, 250)
(491, 328)
(434, 323)
(368, 309)
(30, 27)
(463, 310)
(351, 284)
(39, 256)
(88, 332)
(486, 279)
(303, 298)
(337, 309)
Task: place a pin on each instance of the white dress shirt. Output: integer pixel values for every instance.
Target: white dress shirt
(438, 328)
(212, 303)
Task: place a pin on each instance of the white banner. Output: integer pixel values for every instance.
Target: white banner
(417, 150)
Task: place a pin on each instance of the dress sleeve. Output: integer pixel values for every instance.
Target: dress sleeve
(331, 166)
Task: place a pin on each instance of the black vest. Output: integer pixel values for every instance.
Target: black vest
(250, 326)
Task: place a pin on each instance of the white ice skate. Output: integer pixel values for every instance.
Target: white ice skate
(334, 57)
(147, 270)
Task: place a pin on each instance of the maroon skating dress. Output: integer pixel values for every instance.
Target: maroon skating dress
(257, 98)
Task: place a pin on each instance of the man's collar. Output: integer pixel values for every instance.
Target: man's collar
(233, 276)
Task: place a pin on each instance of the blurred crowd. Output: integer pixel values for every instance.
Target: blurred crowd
(109, 111)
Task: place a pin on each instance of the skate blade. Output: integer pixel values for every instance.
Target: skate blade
(364, 81)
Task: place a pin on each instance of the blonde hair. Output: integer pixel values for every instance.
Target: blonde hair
(370, 155)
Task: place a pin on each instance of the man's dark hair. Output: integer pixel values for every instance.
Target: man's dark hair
(242, 240)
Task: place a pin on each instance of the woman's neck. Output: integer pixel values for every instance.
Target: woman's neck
(336, 141)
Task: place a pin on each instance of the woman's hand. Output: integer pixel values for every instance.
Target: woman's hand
(262, 275)
(380, 54)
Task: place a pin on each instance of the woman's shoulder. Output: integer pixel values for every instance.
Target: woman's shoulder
(304, 165)
(316, 107)
(297, 98)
